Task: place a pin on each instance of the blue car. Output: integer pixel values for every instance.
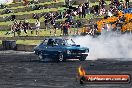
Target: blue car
(60, 49)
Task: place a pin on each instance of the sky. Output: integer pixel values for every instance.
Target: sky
(5, 1)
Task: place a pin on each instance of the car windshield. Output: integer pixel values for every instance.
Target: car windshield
(60, 41)
(64, 41)
(70, 42)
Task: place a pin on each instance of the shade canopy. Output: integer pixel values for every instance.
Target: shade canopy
(5, 1)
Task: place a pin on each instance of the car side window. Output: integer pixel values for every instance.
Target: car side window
(51, 42)
(45, 42)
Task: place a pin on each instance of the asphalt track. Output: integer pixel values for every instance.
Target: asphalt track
(23, 70)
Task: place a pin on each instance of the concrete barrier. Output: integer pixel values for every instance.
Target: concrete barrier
(24, 38)
(1, 47)
(21, 47)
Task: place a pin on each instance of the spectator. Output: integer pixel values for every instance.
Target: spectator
(96, 9)
(37, 25)
(2, 6)
(101, 3)
(53, 22)
(25, 25)
(55, 0)
(65, 28)
(69, 2)
(25, 2)
(7, 11)
(35, 16)
(69, 18)
(83, 11)
(79, 24)
(102, 11)
(46, 23)
(87, 7)
(122, 19)
(80, 10)
(127, 3)
(18, 29)
(36, 7)
(116, 3)
(13, 17)
(121, 6)
(109, 13)
(35, 1)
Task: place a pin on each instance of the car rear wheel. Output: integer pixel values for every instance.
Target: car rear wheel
(60, 57)
(40, 57)
(82, 58)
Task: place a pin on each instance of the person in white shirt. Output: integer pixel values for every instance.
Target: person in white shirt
(80, 10)
(109, 13)
(37, 25)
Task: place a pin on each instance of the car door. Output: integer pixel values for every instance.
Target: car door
(44, 48)
(53, 48)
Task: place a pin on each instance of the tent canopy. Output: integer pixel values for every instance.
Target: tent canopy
(5, 1)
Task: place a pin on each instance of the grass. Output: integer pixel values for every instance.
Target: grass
(40, 11)
(33, 42)
(31, 12)
(27, 42)
(35, 11)
(88, 17)
(41, 32)
(48, 3)
(97, 3)
(29, 20)
(45, 10)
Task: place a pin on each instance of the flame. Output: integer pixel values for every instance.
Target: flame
(81, 71)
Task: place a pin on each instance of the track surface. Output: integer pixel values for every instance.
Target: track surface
(23, 70)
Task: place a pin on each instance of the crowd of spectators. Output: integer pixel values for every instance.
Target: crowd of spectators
(69, 14)
(18, 27)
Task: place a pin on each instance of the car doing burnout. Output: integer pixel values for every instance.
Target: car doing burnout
(60, 49)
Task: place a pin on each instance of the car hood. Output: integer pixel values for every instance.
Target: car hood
(75, 47)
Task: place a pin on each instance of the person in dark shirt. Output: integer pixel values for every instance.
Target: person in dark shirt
(35, 16)
(101, 3)
(83, 11)
(127, 3)
(87, 6)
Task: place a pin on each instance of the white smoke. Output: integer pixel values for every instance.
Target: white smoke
(108, 45)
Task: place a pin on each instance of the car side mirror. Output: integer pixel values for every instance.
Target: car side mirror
(63, 44)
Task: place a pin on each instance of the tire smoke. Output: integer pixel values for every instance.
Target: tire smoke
(109, 45)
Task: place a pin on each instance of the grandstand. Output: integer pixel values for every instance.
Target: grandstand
(23, 12)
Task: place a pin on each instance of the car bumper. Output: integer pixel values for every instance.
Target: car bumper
(76, 56)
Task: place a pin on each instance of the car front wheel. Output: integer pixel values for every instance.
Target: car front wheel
(82, 58)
